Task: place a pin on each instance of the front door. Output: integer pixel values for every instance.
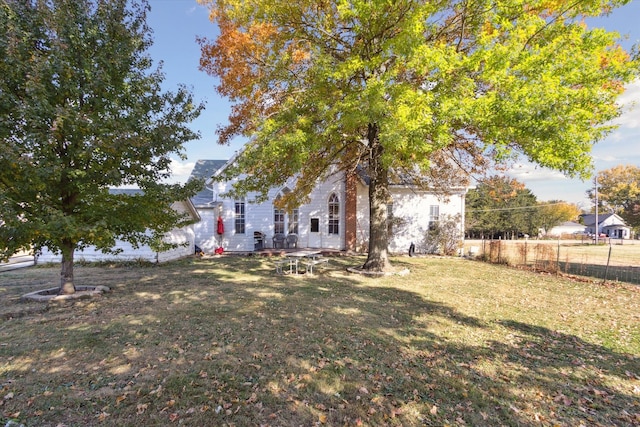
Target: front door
(315, 236)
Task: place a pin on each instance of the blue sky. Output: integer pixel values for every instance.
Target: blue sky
(177, 23)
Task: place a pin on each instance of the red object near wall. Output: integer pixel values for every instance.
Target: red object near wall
(220, 225)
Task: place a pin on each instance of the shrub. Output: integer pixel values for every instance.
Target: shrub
(445, 236)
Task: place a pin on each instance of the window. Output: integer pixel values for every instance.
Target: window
(278, 220)
(434, 216)
(334, 214)
(293, 221)
(240, 218)
(315, 225)
(390, 218)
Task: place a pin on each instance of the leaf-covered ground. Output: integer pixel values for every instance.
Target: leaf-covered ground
(226, 341)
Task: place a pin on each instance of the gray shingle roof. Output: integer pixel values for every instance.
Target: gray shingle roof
(203, 170)
(590, 219)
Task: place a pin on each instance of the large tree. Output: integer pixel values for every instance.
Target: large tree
(619, 191)
(555, 212)
(399, 86)
(81, 110)
(501, 207)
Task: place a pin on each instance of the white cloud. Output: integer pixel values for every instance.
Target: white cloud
(630, 102)
(526, 171)
(631, 93)
(180, 171)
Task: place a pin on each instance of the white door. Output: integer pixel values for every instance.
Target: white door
(315, 235)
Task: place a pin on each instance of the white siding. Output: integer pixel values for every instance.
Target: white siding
(411, 208)
(183, 236)
(409, 205)
(259, 218)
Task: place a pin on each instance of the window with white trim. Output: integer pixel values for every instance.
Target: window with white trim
(334, 214)
(239, 217)
(278, 220)
(434, 216)
(294, 216)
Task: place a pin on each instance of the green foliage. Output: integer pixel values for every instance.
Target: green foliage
(555, 212)
(619, 191)
(411, 87)
(514, 77)
(501, 207)
(82, 111)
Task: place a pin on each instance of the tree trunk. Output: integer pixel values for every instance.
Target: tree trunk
(379, 196)
(66, 274)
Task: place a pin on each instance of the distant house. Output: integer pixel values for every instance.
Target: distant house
(610, 224)
(568, 227)
(183, 236)
(336, 217)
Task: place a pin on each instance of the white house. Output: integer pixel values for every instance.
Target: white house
(610, 224)
(184, 237)
(337, 216)
(567, 227)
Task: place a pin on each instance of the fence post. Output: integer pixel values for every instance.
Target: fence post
(558, 259)
(606, 269)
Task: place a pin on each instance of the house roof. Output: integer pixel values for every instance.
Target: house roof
(590, 219)
(570, 224)
(405, 179)
(203, 170)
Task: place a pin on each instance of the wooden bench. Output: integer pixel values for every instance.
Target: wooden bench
(315, 263)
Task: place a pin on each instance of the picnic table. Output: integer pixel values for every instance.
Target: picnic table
(292, 261)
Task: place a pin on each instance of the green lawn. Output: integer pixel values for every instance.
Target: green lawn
(226, 341)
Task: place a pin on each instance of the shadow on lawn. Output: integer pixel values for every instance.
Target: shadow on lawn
(279, 350)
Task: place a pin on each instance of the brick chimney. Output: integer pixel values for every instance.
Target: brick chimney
(351, 194)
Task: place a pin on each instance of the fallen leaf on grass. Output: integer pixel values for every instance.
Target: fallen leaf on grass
(141, 407)
(434, 410)
(174, 417)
